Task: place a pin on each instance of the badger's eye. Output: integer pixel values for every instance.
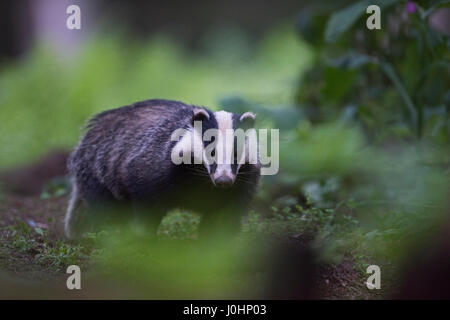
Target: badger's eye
(213, 151)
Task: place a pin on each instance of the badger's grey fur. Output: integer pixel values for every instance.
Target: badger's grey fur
(125, 157)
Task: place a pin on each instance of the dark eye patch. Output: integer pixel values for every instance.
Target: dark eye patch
(235, 148)
(211, 143)
(207, 124)
(236, 122)
(210, 123)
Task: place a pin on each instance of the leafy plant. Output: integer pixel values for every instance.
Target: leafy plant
(405, 55)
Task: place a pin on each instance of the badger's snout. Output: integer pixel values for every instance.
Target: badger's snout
(223, 176)
(224, 181)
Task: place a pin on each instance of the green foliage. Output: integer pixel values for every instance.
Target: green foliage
(321, 150)
(46, 99)
(379, 71)
(55, 188)
(179, 225)
(364, 128)
(342, 20)
(370, 144)
(204, 268)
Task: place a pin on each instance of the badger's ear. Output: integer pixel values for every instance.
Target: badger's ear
(248, 119)
(200, 114)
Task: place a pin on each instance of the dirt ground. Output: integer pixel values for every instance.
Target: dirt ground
(19, 268)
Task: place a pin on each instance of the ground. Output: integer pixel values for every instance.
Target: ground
(34, 253)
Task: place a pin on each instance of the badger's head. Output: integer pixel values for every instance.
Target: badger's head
(221, 141)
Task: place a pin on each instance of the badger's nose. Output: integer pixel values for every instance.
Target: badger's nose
(224, 181)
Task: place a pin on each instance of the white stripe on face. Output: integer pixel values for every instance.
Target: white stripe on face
(224, 145)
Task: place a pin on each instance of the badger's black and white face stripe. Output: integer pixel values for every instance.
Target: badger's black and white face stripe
(213, 141)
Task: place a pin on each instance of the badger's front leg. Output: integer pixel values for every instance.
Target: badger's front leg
(147, 218)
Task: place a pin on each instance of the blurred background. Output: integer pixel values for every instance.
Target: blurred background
(364, 156)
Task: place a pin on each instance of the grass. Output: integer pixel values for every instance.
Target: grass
(43, 251)
(338, 234)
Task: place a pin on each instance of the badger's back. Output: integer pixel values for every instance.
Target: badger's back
(125, 147)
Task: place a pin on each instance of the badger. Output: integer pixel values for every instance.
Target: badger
(126, 157)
